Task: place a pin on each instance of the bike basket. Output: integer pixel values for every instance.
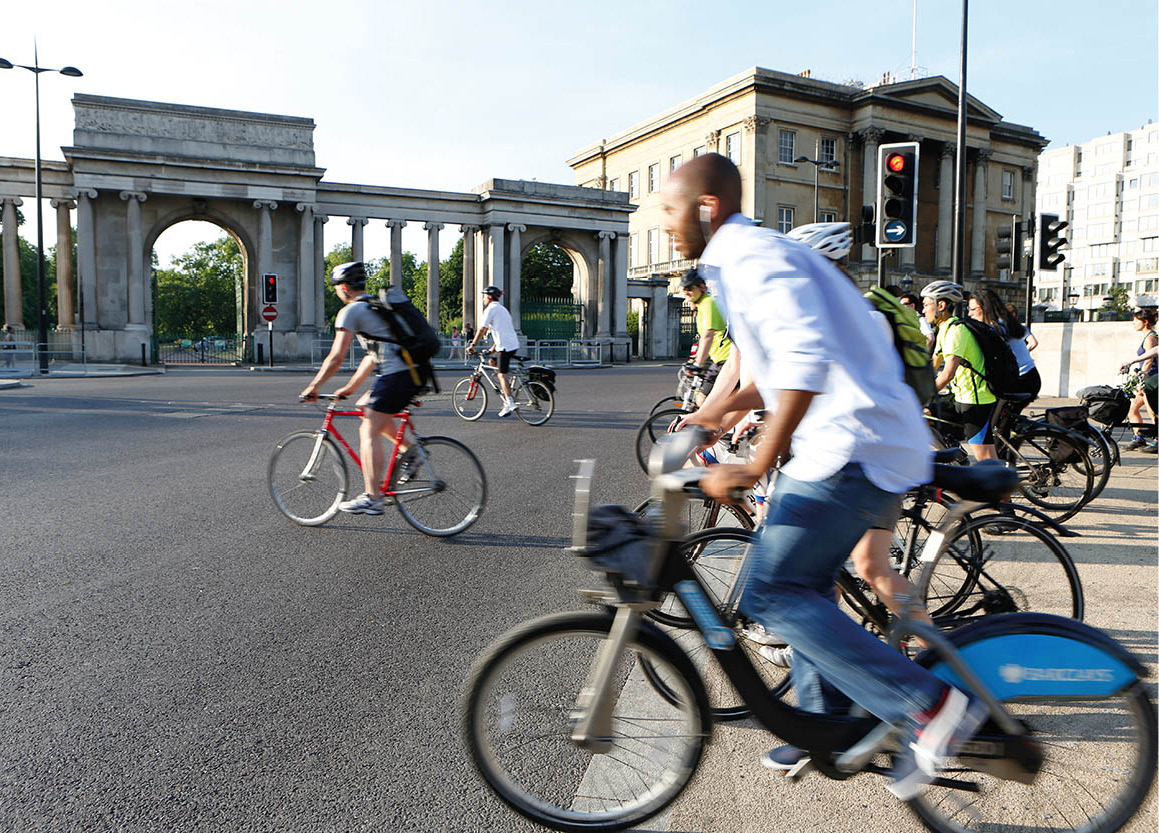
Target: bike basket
(1073, 417)
(544, 375)
(618, 544)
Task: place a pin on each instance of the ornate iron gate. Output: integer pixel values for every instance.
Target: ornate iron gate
(210, 349)
(551, 318)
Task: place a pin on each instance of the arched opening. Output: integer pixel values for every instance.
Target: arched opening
(551, 299)
(199, 312)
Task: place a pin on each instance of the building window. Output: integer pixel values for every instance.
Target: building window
(614, 185)
(826, 217)
(787, 149)
(653, 178)
(674, 163)
(653, 245)
(699, 151)
(732, 147)
(633, 249)
(1008, 185)
(784, 219)
(633, 185)
(828, 151)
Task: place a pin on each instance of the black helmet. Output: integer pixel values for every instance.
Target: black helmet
(691, 278)
(493, 292)
(353, 274)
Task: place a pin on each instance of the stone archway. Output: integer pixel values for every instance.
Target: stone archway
(584, 256)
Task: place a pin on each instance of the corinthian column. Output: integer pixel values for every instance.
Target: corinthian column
(265, 240)
(945, 208)
(978, 231)
(136, 245)
(606, 285)
(86, 255)
(356, 225)
(306, 277)
(319, 272)
(432, 230)
(13, 306)
(396, 227)
(756, 141)
(64, 270)
(515, 277)
(469, 288)
(872, 141)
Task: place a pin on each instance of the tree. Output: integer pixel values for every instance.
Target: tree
(342, 253)
(199, 295)
(546, 272)
(1120, 297)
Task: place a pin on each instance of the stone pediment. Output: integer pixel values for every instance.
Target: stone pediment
(937, 92)
(175, 131)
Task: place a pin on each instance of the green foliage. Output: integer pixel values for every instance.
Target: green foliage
(633, 322)
(546, 272)
(1120, 296)
(341, 253)
(28, 285)
(199, 295)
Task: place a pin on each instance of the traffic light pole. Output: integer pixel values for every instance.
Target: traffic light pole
(881, 268)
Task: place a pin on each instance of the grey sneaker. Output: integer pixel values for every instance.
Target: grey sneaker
(784, 757)
(755, 632)
(781, 657)
(1150, 448)
(408, 466)
(364, 504)
(940, 733)
(1137, 442)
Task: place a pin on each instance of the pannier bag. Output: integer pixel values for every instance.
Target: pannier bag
(542, 374)
(1106, 404)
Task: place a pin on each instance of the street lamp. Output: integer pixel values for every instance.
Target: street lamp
(817, 165)
(41, 289)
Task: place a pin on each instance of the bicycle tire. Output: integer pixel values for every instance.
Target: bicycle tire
(999, 563)
(1102, 458)
(708, 514)
(1099, 768)
(536, 402)
(307, 487)
(654, 427)
(537, 770)
(1044, 455)
(667, 403)
(446, 493)
(468, 404)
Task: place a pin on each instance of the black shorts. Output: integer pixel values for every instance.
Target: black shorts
(710, 374)
(392, 393)
(503, 363)
(975, 421)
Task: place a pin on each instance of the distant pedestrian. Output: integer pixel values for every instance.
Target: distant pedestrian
(456, 342)
(9, 340)
(468, 333)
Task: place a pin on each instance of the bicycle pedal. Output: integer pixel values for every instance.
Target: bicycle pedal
(800, 769)
(596, 595)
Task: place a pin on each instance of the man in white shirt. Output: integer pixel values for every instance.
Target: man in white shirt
(497, 320)
(836, 389)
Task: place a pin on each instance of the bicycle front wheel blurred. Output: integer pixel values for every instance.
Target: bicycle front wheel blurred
(307, 478)
(446, 490)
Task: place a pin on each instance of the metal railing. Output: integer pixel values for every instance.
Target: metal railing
(566, 352)
(20, 359)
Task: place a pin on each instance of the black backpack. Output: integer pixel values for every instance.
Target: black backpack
(417, 340)
(1000, 368)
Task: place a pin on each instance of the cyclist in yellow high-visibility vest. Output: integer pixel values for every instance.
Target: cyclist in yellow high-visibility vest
(715, 346)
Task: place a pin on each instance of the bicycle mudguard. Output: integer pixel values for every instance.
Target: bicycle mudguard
(1038, 655)
(1038, 515)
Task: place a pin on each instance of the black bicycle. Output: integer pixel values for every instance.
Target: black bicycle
(560, 723)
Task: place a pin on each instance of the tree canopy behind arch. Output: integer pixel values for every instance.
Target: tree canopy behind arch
(198, 296)
(546, 272)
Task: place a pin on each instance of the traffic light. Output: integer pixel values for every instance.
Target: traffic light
(1010, 245)
(1049, 242)
(897, 195)
(867, 233)
(269, 289)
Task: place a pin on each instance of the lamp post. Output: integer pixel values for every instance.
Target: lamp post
(817, 165)
(41, 289)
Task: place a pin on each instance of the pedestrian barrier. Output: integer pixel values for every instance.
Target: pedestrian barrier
(561, 352)
(584, 353)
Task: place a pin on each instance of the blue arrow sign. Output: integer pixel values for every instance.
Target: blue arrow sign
(894, 230)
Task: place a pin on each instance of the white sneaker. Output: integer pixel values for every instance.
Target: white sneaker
(781, 657)
(508, 409)
(364, 504)
(756, 632)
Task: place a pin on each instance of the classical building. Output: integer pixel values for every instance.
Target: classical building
(138, 167)
(1108, 190)
(766, 120)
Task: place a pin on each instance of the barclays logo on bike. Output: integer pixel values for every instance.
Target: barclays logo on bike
(1015, 674)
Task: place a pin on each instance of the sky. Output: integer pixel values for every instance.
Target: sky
(446, 95)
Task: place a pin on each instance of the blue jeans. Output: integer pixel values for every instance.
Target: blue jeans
(808, 535)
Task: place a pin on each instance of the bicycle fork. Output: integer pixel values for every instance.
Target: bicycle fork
(310, 470)
(592, 716)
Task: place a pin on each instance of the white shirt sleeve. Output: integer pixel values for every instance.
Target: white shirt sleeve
(488, 314)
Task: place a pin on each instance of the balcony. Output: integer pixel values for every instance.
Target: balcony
(666, 267)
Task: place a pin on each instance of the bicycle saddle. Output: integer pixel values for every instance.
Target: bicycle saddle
(951, 456)
(1018, 397)
(987, 481)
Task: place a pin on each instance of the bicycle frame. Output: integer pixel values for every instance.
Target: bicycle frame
(328, 429)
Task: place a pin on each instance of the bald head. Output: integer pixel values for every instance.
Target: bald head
(711, 175)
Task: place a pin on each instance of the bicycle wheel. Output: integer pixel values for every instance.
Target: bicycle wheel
(654, 427)
(718, 556)
(1054, 469)
(469, 398)
(522, 702)
(536, 402)
(1099, 767)
(1000, 563)
(708, 514)
(667, 403)
(307, 477)
(1102, 458)
(447, 490)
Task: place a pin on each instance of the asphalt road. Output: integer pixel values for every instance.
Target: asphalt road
(179, 656)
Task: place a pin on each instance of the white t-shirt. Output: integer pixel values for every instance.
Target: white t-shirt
(497, 319)
(803, 325)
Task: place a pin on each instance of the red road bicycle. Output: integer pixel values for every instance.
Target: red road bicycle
(437, 484)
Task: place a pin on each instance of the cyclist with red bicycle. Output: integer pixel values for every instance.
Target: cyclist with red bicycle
(393, 388)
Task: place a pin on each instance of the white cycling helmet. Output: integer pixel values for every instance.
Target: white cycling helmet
(834, 240)
(945, 291)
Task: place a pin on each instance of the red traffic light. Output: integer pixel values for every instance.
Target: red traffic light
(895, 162)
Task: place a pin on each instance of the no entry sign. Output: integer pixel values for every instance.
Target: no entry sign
(270, 312)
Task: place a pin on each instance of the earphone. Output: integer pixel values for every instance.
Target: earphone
(705, 214)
